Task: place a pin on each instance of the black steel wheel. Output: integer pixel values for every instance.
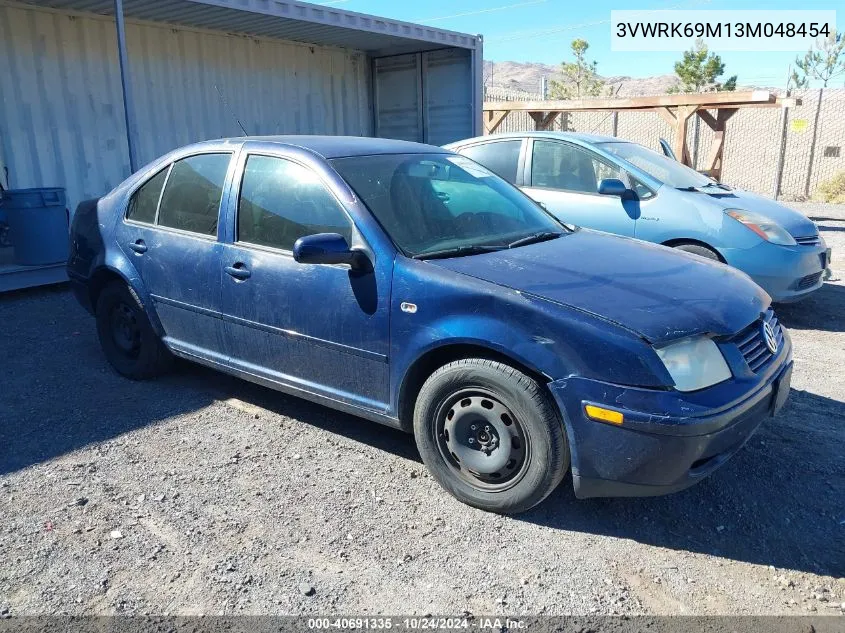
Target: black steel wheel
(124, 329)
(482, 440)
(490, 435)
(128, 340)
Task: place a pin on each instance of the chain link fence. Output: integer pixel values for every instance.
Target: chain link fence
(810, 137)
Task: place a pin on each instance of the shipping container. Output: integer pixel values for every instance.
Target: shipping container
(199, 69)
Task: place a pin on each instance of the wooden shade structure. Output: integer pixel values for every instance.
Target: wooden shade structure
(676, 110)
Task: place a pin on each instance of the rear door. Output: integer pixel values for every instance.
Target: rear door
(318, 328)
(170, 234)
(565, 177)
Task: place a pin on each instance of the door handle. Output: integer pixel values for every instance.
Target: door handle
(238, 271)
(138, 246)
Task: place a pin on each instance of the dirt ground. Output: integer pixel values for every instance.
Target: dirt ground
(200, 493)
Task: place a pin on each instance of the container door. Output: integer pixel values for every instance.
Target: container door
(424, 97)
(447, 86)
(398, 97)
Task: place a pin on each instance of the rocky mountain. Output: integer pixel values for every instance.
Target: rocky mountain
(526, 76)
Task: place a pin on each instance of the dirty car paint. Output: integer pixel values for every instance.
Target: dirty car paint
(581, 312)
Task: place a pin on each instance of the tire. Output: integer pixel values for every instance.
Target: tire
(698, 249)
(128, 340)
(490, 435)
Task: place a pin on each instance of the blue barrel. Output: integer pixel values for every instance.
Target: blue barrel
(38, 225)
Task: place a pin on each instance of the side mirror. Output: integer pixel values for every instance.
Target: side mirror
(612, 187)
(325, 248)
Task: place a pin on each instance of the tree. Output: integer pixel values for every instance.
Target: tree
(824, 62)
(579, 78)
(699, 70)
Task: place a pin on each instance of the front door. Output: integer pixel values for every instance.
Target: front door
(170, 235)
(322, 329)
(565, 179)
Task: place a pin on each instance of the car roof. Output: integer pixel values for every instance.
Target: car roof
(335, 146)
(570, 136)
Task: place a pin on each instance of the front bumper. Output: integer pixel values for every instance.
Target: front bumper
(668, 440)
(787, 273)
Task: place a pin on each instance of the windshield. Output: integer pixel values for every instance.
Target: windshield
(431, 203)
(668, 171)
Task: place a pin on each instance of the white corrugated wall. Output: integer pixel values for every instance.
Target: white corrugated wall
(61, 110)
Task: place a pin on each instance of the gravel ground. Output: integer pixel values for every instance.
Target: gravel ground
(199, 493)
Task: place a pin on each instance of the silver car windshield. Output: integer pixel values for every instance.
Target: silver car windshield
(444, 204)
(668, 171)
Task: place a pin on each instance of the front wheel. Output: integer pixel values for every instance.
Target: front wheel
(698, 249)
(490, 435)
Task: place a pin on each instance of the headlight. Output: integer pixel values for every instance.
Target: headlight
(762, 226)
(694, 363)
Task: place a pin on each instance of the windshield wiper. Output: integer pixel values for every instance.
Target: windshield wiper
(458, 251)
(542, 236)
(707, 185)
(718, 185)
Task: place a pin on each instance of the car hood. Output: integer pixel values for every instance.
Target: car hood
(660, 293)
(795, 222)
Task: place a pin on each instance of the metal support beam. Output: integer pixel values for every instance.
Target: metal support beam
(126, 84)
(478, 87)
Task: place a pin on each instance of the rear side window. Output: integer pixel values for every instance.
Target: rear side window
(501, 157)
(556, 165)
(191, 199)
(144, 202)
(281, 201)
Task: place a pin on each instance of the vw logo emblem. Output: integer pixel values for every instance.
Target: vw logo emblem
(770, 338)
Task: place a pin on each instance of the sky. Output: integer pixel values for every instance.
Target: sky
(542, 30)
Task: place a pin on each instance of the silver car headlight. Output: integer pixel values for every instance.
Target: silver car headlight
(763, 226)
(694, 363)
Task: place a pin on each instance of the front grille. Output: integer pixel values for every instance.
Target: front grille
(808, 240)
(752, 344)
(809, 281)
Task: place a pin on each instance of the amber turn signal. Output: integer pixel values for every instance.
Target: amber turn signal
(603, 415)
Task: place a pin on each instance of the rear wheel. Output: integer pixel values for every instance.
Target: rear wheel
(698, 249)
(126, 336)
(490, 435)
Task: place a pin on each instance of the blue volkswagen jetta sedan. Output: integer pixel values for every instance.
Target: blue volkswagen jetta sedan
(411, 286)
(620, 187)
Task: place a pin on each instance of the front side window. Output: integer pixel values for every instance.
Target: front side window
(144, 202)
(191, 199)
(666, 170)
(556, 165)
(281, 201)
(436, 202)
(643, 192)
(500, 157)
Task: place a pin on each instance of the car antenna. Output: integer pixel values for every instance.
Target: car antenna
(226, 105)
